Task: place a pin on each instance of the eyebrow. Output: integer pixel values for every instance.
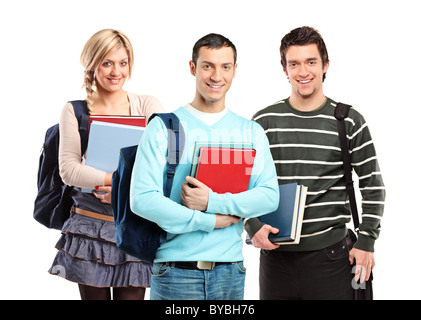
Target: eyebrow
(113, 60)
(309, 59)
(224, 64)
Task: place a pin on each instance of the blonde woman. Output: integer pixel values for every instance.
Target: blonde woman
(87, 253)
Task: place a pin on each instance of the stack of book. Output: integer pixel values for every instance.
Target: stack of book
(107, 135)
(223, 167)
(288, 218)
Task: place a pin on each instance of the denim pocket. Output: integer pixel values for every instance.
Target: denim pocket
(160, 269)
(240, 266)
(337, 251)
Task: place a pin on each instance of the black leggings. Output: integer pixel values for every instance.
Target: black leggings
(126, 293)
(314, 275)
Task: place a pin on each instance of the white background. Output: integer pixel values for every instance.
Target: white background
(375, 66)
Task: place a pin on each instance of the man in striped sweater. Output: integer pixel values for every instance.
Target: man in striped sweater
(305, 147)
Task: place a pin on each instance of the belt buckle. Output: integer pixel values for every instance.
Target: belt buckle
(205, 265)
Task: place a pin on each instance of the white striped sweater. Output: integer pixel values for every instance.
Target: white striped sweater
(305, 148)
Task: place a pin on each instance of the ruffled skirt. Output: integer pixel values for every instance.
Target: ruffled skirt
(87, 254)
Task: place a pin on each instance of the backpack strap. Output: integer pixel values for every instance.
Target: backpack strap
(82, 115)
(175, 145)
(341, 112)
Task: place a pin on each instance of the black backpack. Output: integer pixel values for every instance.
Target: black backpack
(54, 202)
(135, 235)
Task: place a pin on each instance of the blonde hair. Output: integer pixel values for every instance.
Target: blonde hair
(95, 51)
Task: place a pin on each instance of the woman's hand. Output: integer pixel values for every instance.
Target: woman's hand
(103, 193)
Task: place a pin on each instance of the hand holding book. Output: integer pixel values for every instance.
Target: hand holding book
(261, 238)
(288, 219)
(103, 193)
(195, 194)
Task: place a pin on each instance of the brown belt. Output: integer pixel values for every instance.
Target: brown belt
(94, 215)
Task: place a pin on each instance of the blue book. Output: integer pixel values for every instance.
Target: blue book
(288, 218)
(104, 144)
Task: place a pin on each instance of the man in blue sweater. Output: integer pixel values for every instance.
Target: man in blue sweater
(202, 257)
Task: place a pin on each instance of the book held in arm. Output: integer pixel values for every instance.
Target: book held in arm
(139, 121)
(104, 144)
(223, 167)
(288, 218)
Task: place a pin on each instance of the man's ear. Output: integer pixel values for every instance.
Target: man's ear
(192, 68)
(326, 67)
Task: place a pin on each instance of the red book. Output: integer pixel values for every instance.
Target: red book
(139, 121)
(225, 169)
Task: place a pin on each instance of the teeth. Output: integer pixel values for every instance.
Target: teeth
(305, 81)
(215, 87)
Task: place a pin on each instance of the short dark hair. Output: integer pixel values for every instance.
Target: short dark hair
(300, 37)
(214, 41)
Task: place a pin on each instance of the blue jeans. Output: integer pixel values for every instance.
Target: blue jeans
(224, 282)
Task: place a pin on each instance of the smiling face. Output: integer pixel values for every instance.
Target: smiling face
(113, 70)
(305, 70)
(214, 72)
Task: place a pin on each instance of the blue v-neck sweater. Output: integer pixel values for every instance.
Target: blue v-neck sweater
(190, 233)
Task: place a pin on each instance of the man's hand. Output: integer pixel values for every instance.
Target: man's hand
(223, 220)
(261, 238)
(195, 195)
(364, 262)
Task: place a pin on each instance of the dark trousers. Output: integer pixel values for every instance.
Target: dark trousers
(309, 275)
